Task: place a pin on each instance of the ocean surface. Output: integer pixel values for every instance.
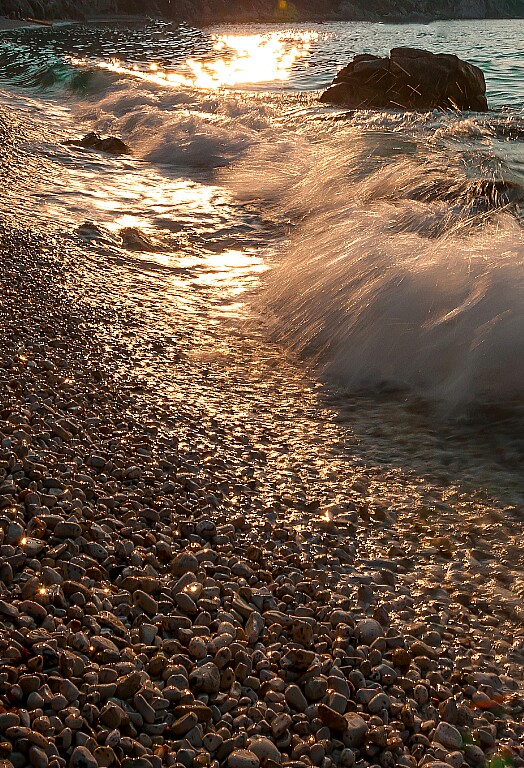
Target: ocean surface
(384, 252)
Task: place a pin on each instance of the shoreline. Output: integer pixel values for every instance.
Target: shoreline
(167, 600)
(7, 24)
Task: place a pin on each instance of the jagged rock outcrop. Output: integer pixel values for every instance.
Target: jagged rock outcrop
(409, 79)
(201, 12)
(428, 10)
(58, 9)
(110, 144)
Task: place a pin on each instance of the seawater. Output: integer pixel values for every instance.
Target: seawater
(366, 242)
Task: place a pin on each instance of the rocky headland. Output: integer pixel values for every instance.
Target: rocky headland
(219, 11)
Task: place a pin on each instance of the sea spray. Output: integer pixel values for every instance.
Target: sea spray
(394, 240)
(394, 272)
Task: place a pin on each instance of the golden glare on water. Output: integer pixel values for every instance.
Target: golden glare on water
(241, 60)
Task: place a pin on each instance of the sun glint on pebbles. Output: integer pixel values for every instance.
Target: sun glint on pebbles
(142, 624)
(138, 631)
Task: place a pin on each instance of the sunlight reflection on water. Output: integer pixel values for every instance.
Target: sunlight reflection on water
(244, 60)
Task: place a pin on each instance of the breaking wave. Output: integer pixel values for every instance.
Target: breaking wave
(395, 241)
(400, 269)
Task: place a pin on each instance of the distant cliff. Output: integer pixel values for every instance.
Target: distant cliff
(215, 11)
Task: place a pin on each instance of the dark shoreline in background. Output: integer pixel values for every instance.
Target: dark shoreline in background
(262, 11)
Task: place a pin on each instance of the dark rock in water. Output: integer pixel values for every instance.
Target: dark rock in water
(509, 132)
(410, 79)
(135, 240)
(480, 194)
(110, 144)
(490, 194)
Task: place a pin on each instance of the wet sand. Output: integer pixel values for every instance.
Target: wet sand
(201, 566)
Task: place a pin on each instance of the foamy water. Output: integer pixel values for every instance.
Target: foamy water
(261, 256)
(383, 249)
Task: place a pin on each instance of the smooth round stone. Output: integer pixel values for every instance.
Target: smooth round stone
(16, 760)
(66, 737)
(243, 758)
(205, 528)
(30, 608)
(73, 571)
(74, 720)
(368, 630)
(104, 756)
(364, 695)
(147, 633)
(186, 603)
(68, 529)
(96, 461)
(254, 626)
(347, 758)
(317, 753)
(34, 701)
(386, 674)
(338, 702)
(82, 758)
(315, 688)
(206, 678)
(69, 690)
(448, 736)
(15, 532)
(355, 733)
(186, 757)
(128, 685)
(212, 741)
(33, 547)
(184, 563)
(197, 648)
(112, 715)
(146, 602)
(342, 617)
(421, 694)
(378, 703)
(194, 736)
(9, 720)
(145, 709)
(112, 738)
(280, 724)
(455, 759)
(474, 755)
(38, 758)
(184, 724)
(331, 718)
(264, 749)
(303, 633)
(437, 764)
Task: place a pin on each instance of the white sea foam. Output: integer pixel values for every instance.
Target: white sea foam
(391, 274)
(395, 271)
(184, 128)
(395, 268)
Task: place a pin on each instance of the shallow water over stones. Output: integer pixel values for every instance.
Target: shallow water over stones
(205, 562)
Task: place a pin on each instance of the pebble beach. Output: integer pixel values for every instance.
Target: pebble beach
(197, 569)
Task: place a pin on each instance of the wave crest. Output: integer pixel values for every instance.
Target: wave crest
(398, 270)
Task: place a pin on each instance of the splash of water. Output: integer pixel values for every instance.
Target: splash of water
(392, 274)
